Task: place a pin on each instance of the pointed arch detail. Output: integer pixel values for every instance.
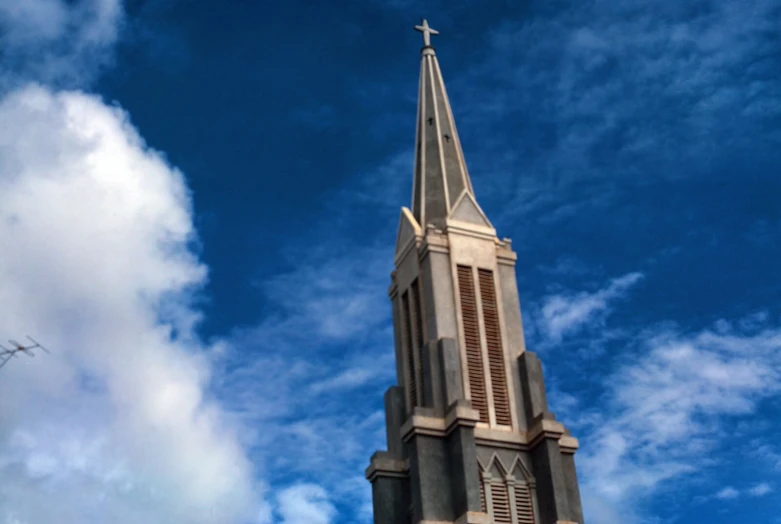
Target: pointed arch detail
(507, 493)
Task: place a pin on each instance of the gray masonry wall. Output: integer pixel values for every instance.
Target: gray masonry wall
(430, 478)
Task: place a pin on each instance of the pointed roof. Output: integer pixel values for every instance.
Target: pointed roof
(441, 176)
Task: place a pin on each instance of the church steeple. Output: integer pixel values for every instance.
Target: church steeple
(440, 170)
(470, 437)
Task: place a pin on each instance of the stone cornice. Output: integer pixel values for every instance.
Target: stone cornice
(568, 444)
(506, 256)
(433, 242)
(544, 429)
(470, 230)
(463, 416)
(382, 465)
(500, 438)
(458, 416)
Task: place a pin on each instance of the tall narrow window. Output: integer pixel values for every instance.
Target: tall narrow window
(412, 377)
(500, 502)
(524, 509)
(417, 326)
(474, 357)
(493, 337)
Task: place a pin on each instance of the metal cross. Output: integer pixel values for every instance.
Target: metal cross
(427, 32)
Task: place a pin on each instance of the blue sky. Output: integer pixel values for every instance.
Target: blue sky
(200, 205)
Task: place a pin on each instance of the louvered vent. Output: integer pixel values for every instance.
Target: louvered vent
(411, 374)
(524, 508)
(474, 358)
(493, 336)
(483, 506)
(500, 501)
(417, 326)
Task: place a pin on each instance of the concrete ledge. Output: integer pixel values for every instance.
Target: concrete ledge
(506, 439)
(473, 517)
(433, 241)
(422, 425)
(461, 416)
(568, 444)
(439, 427)
(544, 429)
(505, 254)
(383, 464)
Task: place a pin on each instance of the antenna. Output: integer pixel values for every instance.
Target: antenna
(7, 354)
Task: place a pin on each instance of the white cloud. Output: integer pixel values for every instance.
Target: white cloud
(669, 410)
(728, 493)
(564, 314)
(305, 504)
(760, 490)
(95, 228)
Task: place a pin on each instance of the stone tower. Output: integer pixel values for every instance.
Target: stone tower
(470, 437)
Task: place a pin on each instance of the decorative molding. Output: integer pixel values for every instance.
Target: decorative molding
(525, 471)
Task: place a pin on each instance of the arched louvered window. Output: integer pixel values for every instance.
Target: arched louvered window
(493, 336)
(474, 354)
(507, 499)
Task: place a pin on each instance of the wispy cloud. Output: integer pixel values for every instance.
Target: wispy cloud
(727, 493)
(760, 490)
(57, 42)
(669, 409)
(562, 314)
(617, 95)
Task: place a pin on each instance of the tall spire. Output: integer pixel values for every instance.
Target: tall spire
(470, 436)
(440, 171)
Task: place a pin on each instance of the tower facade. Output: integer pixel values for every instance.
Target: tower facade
(469, 434)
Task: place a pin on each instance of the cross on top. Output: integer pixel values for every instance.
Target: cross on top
(427, 32)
